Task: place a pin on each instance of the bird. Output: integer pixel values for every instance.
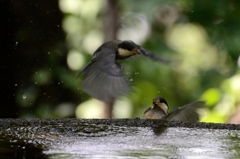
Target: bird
(187, 112)
(103, 78)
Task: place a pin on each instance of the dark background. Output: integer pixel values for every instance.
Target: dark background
(29, 31)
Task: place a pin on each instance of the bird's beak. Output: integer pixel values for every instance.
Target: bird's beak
(136, 51)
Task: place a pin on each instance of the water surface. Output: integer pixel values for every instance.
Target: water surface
(131, 138)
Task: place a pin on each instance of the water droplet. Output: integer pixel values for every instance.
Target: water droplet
(15, 84)
(16, 43)
(131, 79)
(48, 53)
(136, 73)
(24, 96)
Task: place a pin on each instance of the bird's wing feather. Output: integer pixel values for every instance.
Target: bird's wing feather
(103, 77)
(153, 56)
(187, 112)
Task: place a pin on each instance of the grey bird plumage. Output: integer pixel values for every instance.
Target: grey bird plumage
(103, 77)
(159, 110)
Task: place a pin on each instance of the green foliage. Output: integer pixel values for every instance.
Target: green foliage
(222, 100)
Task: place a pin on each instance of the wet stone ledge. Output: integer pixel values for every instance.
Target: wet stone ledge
(114, 138)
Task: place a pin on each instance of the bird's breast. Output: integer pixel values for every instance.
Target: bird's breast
(151, 114)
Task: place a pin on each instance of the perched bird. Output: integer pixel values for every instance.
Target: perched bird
(159, 110)
(103, 77)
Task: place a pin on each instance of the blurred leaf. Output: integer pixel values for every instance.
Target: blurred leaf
(214, 118)
(212, 96)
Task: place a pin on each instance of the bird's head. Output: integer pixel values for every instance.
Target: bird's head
(127, 48)
(161, 103)
(159, 110)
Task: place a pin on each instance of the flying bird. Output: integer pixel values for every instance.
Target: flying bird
(159, 110)
(103, 77)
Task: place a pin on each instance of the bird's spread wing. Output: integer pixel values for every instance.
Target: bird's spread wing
(187, 112)
(103, 77)
(153, 56)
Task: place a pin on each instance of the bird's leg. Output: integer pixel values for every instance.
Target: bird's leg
(108, 110)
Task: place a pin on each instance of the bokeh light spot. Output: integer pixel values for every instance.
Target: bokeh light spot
(122, 109)
(75, 60)
(90, 109)
(92, 41)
